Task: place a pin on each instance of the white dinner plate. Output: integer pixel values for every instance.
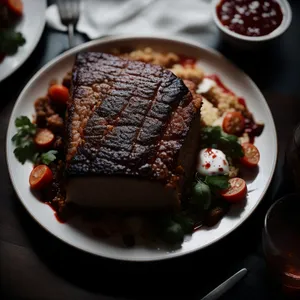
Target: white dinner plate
(31, 26)
(76, 234)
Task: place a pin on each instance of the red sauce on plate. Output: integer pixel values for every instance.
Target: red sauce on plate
(59, 219)
(250, 17)
(187, 61)
(242, 101)
(219, 83)
(57, 216)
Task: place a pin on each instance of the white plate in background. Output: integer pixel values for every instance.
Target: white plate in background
(31, 25)
(212, 62)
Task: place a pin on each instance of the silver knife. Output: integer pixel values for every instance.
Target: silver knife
(225, 286)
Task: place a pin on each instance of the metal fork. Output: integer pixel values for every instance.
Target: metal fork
(69, 14)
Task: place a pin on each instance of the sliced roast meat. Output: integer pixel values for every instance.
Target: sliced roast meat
(132, 134)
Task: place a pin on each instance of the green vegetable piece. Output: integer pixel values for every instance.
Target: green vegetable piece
(173, 233)
(186, 223)
(229, 137)
(24, 153)
(25, 148)
(215, 137)
(218, 182)
(22, 121)
(48, 157)
(10, 41)
(201, 195)
(25, 128)
(211, 133)
(23, 139)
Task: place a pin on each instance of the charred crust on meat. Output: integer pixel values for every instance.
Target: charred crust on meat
(127, 118)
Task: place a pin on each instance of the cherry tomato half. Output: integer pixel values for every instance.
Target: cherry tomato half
(16, 6)
(237, 190)
(59, 93)
(44, 138)
(233, 123)
(40, 177)
(251, 157)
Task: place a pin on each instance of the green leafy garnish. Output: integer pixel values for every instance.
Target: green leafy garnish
(25, 148)
(215, 137)
(201, 195)
(25, 153)
(10, 40)
(169, 228)
(23, 139)
(48, 157)
(218, 182)
(172, 233)
(25, 127)
(186, 223)
(211, 133)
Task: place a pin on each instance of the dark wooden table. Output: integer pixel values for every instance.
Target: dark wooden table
(36, 265)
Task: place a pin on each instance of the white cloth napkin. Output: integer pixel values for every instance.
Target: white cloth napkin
(191, 19)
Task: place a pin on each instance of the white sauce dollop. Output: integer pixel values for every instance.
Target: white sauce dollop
(212, 162)
(205, 85)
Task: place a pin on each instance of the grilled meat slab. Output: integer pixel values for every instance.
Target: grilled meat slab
(132, 133)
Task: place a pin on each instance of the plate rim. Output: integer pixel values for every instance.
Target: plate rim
(121, 38)
(38, 36)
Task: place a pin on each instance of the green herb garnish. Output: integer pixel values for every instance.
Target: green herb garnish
(24, 126)
(25, 147)
(186, 223)
(201, 195)
(48, 157)
(172, 233)
(218, 182)
(23, 140)
(213, 136)
(10, 41)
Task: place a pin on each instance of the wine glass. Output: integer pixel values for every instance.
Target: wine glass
(281, 242)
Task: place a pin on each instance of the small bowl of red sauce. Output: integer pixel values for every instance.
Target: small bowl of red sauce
(250, 22)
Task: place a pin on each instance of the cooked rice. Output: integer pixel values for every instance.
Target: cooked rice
(148, 55)
(209, 113)
(188, 72)
(224, 101)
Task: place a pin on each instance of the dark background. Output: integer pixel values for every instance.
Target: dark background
(36, 265)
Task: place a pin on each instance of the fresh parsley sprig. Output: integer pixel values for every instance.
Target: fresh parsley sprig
(10, 41)
(24, 142)
(23, 139)
(48, 157)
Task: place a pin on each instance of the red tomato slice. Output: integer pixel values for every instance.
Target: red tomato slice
(59, 93)
(237, 190)
(40, 177)
(44, 138)
(233, 123)
(251, 157)
(15, 6)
